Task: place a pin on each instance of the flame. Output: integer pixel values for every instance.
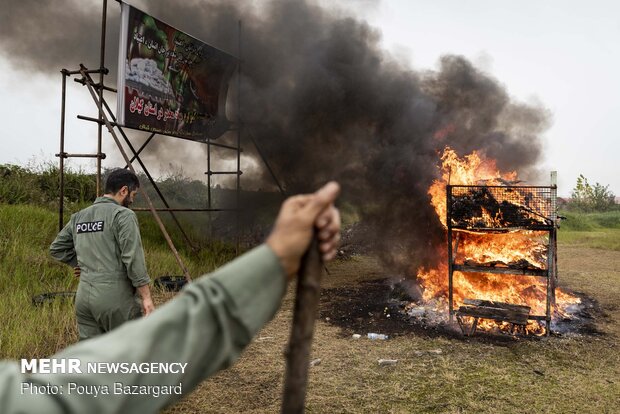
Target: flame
(516, 249)
(470, 170)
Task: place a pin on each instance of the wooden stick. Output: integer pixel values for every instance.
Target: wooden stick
(298, 352)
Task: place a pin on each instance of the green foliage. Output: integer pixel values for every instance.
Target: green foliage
(181, 190)
(588, 198)
(40, 185)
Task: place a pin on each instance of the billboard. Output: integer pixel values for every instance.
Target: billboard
(169, 82)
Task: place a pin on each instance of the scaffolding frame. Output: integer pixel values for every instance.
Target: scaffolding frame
(107, 118)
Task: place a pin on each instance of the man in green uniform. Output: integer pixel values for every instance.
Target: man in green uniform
(206, 327)
(103, 244)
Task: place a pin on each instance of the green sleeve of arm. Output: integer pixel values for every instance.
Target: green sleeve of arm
(62, 248)
(206, 326)
(130, 243)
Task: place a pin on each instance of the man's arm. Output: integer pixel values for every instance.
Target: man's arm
(127, 232)
(62, 248)
(206, 326)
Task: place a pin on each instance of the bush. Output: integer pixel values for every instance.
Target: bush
(591, 198)
(40, 185)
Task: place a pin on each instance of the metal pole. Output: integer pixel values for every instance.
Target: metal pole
(260, 153)
(450, 259)
(61, 201)
(239, 127)
(101, 67)
(555, 264)
(550, 259)
(209, 173)
(553, 242)
(209, 205)
(140, 149)
(554, 206)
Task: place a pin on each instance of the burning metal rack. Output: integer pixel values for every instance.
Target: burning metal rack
(492, 209)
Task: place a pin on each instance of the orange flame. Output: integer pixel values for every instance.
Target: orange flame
(514, 248)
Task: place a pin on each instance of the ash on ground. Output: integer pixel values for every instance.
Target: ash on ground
(580, 318)
(377, 306)
(395, 308)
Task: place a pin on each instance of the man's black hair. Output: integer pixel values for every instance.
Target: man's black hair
(119, 178)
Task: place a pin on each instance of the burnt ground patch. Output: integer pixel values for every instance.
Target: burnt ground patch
(377, 306)
(373, 306)
(584, 319)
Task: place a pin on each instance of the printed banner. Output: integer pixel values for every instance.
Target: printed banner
(169, 82)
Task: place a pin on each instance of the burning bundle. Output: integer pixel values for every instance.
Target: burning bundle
(515, 315)
(495, 207)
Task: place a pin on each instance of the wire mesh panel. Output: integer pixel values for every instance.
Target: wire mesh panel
(501, 207)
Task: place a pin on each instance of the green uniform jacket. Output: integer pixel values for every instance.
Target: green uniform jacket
(104, 241)
(206, 326)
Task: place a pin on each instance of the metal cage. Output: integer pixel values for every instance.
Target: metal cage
(499, 209)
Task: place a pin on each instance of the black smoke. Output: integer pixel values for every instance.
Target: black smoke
(46, 36)
(324, 101)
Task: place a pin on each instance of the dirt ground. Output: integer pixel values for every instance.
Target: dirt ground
(438, 370)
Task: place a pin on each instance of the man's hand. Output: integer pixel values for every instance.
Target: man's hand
(77, 271)
(147, 302)
(147, 306)
(293, 230)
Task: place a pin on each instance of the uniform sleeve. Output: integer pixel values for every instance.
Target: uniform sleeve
(206, 326)
(62, 248)
(127, 233)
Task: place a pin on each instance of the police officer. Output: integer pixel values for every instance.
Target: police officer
(205, 327)
(103, 244)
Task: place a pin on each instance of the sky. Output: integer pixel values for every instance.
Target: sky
(560, 54)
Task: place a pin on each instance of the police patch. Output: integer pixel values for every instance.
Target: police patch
(90, 227)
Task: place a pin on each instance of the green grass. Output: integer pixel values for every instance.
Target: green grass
(471, 375)
(598, 230)
(27, 269)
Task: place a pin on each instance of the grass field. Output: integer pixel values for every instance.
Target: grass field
(27, 269)
(435, 372)
(598, 230)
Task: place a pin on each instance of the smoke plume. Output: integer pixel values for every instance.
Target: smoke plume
(323, 101)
